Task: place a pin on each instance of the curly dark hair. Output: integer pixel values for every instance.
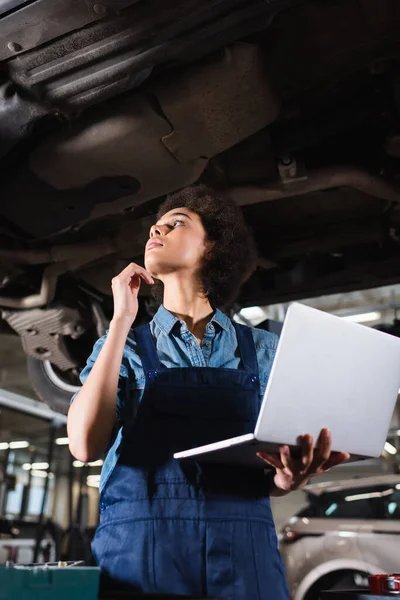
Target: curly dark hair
(233, 256)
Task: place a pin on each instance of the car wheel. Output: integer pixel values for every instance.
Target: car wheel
(53, 386)
(338, 580)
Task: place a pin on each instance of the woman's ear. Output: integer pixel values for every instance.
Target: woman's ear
(209, 246)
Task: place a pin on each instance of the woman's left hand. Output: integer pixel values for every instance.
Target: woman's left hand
(294, 473)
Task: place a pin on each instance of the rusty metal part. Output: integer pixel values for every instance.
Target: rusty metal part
(49, 19)
(318, 180)
(78, 255)
(77, 174)
(43, 332)
(71, 258)
(102, 323)
(47, 288)
(206, 117)
(99, 61)
(46, 293)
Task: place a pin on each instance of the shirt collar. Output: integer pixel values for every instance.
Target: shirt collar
(222, 320)
(166, 320)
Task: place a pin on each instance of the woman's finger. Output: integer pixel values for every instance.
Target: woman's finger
(271, 459)
(307, 452)
(336, 458)
(145, 275)
(286, 458)
(323, 449)
(134, 269)
(134, 282)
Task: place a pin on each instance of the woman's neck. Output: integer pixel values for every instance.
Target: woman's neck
(189, 305)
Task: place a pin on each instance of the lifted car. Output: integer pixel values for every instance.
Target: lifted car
(290, 107)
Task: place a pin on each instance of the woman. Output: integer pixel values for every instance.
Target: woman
(189, 377)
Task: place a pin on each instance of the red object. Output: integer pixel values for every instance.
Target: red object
(384, 584)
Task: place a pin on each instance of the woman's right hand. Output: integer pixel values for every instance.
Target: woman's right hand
(125, 288)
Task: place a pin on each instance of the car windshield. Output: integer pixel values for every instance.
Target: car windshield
(379, 502)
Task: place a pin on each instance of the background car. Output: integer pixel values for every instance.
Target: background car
(348, 530)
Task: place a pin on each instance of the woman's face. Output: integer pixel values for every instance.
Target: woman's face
(177, 242)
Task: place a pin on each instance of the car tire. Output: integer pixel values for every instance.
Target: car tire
(50, 385)
(338, 580)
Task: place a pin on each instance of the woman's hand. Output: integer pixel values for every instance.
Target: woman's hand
(293, 473)
(125, 289)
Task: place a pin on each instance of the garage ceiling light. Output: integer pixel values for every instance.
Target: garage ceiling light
(42, 474)
(39, 466)
(62, 441)
(363, 317)
(16, 445)
(95, 463)
(4, 445)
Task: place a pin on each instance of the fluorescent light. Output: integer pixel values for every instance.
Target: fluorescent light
(40, 466)
(16, 445)
(95, 463)
(4, 445)
(369, 495)
(42, 474)
(331, 509)
(62, 441)
(390, 449)
(363, 317)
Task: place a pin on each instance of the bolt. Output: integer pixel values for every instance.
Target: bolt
(14, 47)
(41, 351)
(287, 167)
(32, 331)
(100, 9)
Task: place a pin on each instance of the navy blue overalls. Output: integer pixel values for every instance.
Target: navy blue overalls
(182, 527)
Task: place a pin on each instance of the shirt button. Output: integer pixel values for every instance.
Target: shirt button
(208, 344)
(254, 379)
(211, 327)
(102, 506)
(152, 374)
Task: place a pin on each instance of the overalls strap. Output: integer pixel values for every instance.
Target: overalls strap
(247, 348)
(147, 350)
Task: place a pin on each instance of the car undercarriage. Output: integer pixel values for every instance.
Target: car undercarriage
(289, 107)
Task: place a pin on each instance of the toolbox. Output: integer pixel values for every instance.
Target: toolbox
(49, 582)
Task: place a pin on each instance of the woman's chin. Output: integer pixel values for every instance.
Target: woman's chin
(155, 272)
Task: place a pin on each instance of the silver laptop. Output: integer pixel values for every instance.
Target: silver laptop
(327, 372)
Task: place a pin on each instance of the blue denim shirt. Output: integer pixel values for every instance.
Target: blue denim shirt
(178, 347)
